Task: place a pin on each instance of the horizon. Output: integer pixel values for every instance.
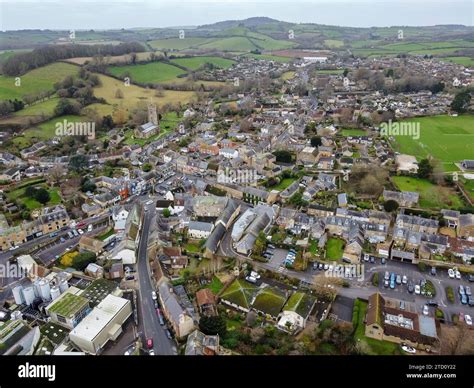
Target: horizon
(87, 15)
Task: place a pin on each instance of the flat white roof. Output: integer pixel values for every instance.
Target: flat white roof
(99, 317)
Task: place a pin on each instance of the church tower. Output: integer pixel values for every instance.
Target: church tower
(152, 115)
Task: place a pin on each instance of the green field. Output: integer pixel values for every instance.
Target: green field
(283, 184)
(431, 196)
(35, 81)
(353, 132)
(154, 72)
(236, 43)
(45, 108)
(195, 63)
(465, 61)
(179, 44)
(333, 43)
(448, 139)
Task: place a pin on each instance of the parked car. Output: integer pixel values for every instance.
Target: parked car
(432, 303)
(468, 319)
(411, 288)
(149, 343)
(470, 277)
(151, 352)
(402, 305)
(464, 299)
(251, 279)
(153, 295)
(168, 334)
(386, 283)
(426, 310)
(408, 349)
(470, 301)
(372, 259)
(387, 275)
(404, 279)
(320, 266)
(467, 290)
(433, 271)
(461, 290)
(326, 267)
(392, 284)
(451, 273)
(417, 289)
(457, 274)
(399, 279)
(383, 260)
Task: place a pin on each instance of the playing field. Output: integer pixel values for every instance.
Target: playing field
(449, 139)
(196, 62)
(35, 81)
(154, 72)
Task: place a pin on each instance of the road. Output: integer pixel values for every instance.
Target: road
(149, 323)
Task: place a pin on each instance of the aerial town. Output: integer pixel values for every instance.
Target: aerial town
(250, 187)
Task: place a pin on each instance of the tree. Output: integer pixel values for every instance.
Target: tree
(118, 93)
(66, 107)
(82, 260)
(461, 101)
(425, 169)
(42, 196)
(316, 141)
(212, 325)
(146, 167)
(68, 258)
(390, 205)
(283, 156)
(78, 162)
(166, 213)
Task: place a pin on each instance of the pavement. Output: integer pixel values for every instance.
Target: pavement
(149, 324)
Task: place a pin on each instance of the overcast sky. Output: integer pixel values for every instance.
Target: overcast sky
(87, 14)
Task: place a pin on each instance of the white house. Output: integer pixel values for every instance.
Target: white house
(199, 230)
(229, 153)
(296, 312)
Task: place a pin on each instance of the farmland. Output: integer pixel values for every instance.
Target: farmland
(135, 94)
(446, 138)
(178, 44)
(35, 81)
(194, 63)
(154, 72)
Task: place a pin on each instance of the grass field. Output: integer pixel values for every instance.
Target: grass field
(196, 62)
(235, 43)
(35, 81)
(431, 196)
(134, 94)
(283, 184)
(446, 138)
(333, 43)
(334, 249)
(353, 132)
(154, 72)
(465, 61)
(179, 44)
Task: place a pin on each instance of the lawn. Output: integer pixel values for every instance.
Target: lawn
(334, 249)
(284, 183)
(240, 293)
(193, 248)
(353, 132)
(195, 63)
(45, 108)
(216, 285)
(431, 195)
(106, 235)
(18, 195)
(446, 138)
(370, 346)
(35, 81)
(154, 72)
(465, 61)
